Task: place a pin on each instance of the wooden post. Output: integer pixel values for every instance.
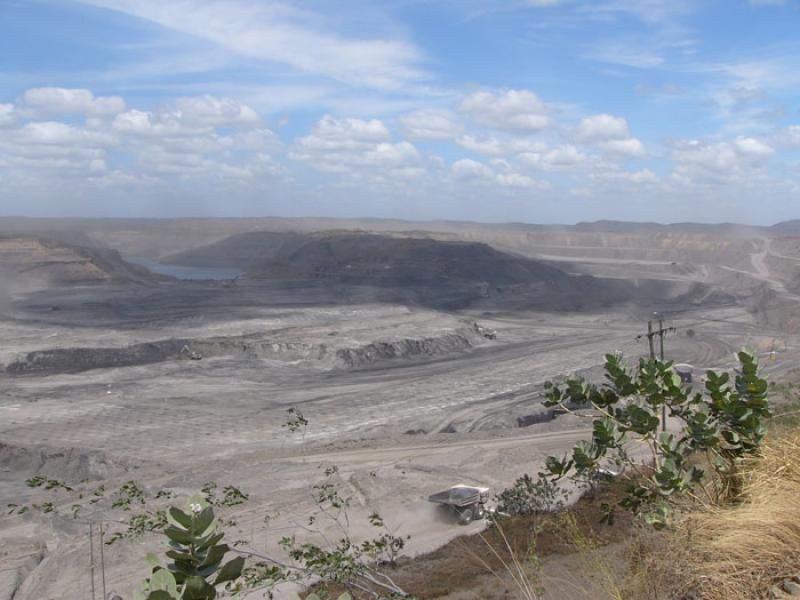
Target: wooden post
(102, 561)
(91, 557)
(661, 333)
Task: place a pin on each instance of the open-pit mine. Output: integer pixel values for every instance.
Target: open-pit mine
(172, 352)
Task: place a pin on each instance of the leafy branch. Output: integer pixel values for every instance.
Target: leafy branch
(725, 424)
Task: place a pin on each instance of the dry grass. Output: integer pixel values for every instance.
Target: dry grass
(593, 558)
(737, 550)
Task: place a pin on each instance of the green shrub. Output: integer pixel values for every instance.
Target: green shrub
(726, 424)
(197, 556)
(529, 496)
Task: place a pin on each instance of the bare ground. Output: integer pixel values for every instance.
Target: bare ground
(426, 398)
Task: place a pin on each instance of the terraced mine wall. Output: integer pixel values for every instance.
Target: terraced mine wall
(406, 348)
(253, 347)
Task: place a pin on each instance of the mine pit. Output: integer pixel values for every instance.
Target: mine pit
(431, 375)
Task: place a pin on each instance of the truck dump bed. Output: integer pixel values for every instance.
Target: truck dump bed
(458, 495)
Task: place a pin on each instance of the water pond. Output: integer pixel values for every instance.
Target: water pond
(183, 272)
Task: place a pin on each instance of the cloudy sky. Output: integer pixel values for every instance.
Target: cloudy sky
(495, 110)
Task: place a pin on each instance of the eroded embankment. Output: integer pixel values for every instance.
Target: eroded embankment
(73, 464)
(18, 557)
(253, 347)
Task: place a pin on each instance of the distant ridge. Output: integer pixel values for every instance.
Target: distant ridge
(787, 227)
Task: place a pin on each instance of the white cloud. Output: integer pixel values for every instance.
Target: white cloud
(188, 116)
(652, 12)
(350, 145)
(284, 34)
(720, 157)
(602, 127)
(55, 133)
(141, 123)
(257, 139)
(739, 162)
(493, 146)
(629, 148)
(466, 168)
(627, 56)
(790, 136)
(437, 125)
(180, 138)
(7, 114)
(515, 180)
(753, 147)
(641, 177)
(52, 145)
(210, 111)
(611, 134)
(259, 166)
(563, 158)
(203, 137)
(55, 101)
(388, 155)
(516, 111)
(331, 134)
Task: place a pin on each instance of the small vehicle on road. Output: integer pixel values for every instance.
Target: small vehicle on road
(466, 501)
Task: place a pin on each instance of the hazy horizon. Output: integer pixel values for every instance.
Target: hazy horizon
(422, 221)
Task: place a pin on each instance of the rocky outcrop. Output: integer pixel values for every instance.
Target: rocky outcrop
(75, 360)
(402, 349)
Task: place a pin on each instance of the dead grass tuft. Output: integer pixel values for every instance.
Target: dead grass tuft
(737, 550)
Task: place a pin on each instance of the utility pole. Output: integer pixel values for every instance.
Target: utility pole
(91, 556)
(651, 335)
(102, 561)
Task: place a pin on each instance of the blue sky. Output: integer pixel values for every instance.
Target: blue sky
(507, 110)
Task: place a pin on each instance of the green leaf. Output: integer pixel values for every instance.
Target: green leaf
(179, 518)
(178, 556)
(178, 535)
(202, 522)
(197, 588)
(215, 555)
(208, 542)
(152, 560)
(230, 571)
(160, 595)
(164, 580)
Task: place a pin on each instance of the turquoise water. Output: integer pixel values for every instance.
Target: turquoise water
(189, 273)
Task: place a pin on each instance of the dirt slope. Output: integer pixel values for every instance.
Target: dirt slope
(244, 251)
(33, 262)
